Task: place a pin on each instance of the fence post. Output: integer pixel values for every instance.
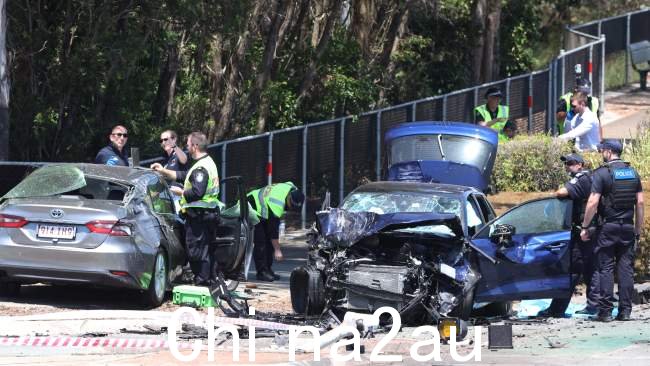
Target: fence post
(508, 92)
(550, 115)
(378, 137)
(563, 71)
(602, 74)
(530, 103)
(269, 161)
(413, 111)
(444, 107)
(303, 213)
(590, 66)
(342, 162)
(627, 49)
(600, 28)
(475, 103)
(223, 170)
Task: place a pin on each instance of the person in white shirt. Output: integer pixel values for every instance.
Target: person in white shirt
(584, 126)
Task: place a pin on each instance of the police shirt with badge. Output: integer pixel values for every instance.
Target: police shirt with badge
(171, 162)
(199, 180)
(602, 182)
(579, 188)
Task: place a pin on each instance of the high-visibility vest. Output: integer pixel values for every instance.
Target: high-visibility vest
(502, 112)
(271, 197)
(211, 197)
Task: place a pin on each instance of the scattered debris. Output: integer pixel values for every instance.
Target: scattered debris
(555, 344)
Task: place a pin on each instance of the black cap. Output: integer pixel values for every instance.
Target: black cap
(297, 198)
(583, 85)
(572, 158)
(493, 92)
(611, 144)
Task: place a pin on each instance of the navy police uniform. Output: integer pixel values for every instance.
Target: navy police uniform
(618, 184)
(582, 253)
(110, 155)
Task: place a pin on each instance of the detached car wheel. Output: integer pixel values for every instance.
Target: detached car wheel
(307, 291)
(154, 296)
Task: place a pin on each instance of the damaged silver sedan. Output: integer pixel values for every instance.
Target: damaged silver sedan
(91, 224)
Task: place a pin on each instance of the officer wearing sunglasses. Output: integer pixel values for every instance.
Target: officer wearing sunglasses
(174, 158)
(115, 153)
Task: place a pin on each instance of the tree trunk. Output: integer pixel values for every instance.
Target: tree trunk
(396, 30)
(223, 122)
(268, 58)
(167, 83)
(486, 20)
(363, 19)
(310, 74)
(4, 84)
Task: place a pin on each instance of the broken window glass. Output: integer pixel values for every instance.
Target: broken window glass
(50, 180)
(392, 202)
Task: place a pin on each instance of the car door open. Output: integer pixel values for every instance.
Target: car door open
(529, 250)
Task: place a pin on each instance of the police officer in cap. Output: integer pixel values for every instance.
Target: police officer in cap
(200, 207)
(270, 204)
(492, 114)
(578, 189)
(616, 196)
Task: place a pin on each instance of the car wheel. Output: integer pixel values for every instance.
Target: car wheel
(9, 289)
(154, 296)
(307, 291)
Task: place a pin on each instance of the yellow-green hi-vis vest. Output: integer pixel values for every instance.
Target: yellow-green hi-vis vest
(502, 112)
(211, 197)
(271, 197)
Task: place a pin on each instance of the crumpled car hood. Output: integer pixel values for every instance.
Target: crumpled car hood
(345, 228)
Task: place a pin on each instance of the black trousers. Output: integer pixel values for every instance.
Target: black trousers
(263, 249)
(583, 264)
(199, 231)
(615, 249)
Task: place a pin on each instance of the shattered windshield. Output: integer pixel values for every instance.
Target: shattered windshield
(392, 202)
(460, 149)
(49, 181)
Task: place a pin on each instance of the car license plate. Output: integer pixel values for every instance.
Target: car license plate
(56, 232)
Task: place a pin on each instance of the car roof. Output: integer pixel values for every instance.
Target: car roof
(439, 127)
(416, 187)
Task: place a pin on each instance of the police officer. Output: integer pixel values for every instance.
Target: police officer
(270, 204)
(492, 114)
(578, 189)
(616, 196)
(116, 152)
(200, 206)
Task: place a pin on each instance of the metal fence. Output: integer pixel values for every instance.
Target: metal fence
(338, 155)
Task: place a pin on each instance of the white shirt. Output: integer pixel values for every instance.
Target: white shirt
(584, 128)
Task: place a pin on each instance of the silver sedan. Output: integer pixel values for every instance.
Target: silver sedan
(91, 224)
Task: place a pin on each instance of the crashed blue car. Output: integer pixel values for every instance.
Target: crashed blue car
(441, 152)
(432, 251)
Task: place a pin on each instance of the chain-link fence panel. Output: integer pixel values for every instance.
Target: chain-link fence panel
(429, 110)
(249, 160)
(322, 165)
(360, 151)
(459, 107)
(287, 164)
(540, 101)
(615, 31)
(639, 27)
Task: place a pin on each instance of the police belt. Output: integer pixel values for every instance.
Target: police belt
(618, 221)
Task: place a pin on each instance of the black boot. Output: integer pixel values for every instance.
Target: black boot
(265, 276)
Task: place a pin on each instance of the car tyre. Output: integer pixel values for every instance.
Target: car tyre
(9, 289)
(154, 296)
(501, 308)
(307, 291)
(464, 309)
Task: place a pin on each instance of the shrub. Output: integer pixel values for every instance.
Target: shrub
(530, 163)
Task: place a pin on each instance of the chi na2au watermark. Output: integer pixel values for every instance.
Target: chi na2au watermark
(344, 341)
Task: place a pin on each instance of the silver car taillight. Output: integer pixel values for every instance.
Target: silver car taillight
(12, 221)
(112, 228)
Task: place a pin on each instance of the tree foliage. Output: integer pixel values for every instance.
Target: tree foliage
(232, 68)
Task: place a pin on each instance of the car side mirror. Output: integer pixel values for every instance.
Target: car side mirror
(502, 235)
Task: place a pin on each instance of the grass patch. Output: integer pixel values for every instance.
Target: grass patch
(615, 70)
